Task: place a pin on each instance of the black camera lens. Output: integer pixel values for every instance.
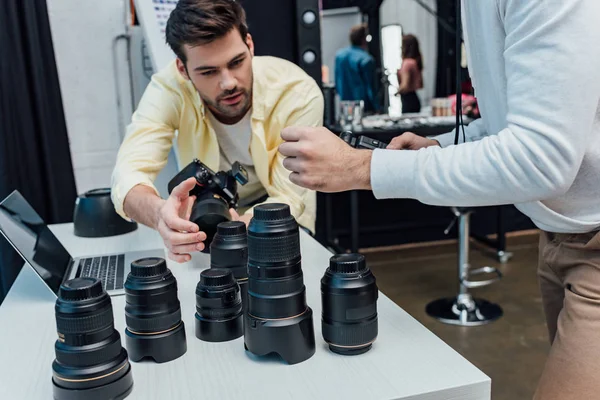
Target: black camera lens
(229, 249)
(218, 306)
(90, 361)
(208, 212)
(349, 294)
(152, 312)
(278, 319)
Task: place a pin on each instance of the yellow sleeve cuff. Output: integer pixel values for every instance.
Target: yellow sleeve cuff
(122, 186)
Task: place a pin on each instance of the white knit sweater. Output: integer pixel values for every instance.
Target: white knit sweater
(535, 66)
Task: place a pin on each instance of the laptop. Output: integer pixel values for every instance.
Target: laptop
(34, 241)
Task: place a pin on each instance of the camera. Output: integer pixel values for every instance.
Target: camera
(361, 142)
(215, 194)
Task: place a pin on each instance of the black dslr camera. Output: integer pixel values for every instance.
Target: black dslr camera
(361, 142)
(215, 194)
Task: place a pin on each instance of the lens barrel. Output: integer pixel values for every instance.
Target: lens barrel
(90, 361)
(229, 250)
(208, 211)
(219, 315)
(349, 296)
(278, 319)
(152, 312)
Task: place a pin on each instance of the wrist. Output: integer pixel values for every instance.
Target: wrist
(156, 205)
(361, 170)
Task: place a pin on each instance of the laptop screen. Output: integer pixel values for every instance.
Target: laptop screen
(30, 236)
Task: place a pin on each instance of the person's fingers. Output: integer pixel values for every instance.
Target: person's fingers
(292, 149)
(304, 181)
(292, 133)
(404, 141)
(188, 248)
(234, 214)
(182, 191)
(293, 164)
(176, 223)
(397, 143)
(174, 238)
(190, 205)
(180, 258)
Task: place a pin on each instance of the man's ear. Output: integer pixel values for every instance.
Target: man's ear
(181, 68)
(250, 43)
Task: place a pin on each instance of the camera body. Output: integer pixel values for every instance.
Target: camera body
(216, 193)
(361, 142)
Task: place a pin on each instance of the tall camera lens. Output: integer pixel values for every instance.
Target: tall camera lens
(229, 249)
(349, 295)
(218, 306)
(90, 361)
(152, 312)
(278, 318)
(208, 212)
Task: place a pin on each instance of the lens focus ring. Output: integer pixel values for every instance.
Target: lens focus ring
(273, 287)
(153, 324)
(84, 357)
(344, 334)
(85, 324)
(274, 249)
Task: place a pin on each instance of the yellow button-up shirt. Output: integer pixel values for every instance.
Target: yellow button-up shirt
(283, 95)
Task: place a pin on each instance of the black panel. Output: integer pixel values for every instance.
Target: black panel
(272, 25)
(309, 38)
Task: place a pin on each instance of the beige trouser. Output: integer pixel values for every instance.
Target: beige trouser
(569, 276)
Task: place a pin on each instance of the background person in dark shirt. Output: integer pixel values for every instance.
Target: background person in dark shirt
(355, 70)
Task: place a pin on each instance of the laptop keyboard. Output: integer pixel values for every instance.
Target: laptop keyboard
(109, 269)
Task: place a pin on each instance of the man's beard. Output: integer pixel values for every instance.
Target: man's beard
(238, 110)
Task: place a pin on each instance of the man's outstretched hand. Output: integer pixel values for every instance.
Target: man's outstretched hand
(180, 235)
(319, 160)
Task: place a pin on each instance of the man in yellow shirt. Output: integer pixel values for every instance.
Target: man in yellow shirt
(226, 106)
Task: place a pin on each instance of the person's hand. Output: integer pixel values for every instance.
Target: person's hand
(237, 217)
(410, 141)
(319, 160)
(181, 236)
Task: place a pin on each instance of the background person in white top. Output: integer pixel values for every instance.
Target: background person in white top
(536, 71)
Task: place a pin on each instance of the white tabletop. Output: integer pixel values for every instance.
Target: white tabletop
(406, 362)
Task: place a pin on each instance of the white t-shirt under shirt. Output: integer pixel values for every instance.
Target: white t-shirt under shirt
(234, 145)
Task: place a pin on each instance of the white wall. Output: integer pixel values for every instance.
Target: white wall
(83, 33)
(415, 20)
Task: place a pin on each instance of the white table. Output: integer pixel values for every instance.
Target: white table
(406, 362)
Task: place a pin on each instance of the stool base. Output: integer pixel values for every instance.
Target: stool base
(472, 312)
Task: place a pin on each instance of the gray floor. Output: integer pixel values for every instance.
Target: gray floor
(512, 350)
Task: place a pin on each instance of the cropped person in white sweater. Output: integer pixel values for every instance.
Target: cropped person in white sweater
(536, 71)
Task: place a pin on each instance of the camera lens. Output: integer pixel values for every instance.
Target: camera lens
(208, 211)
(90, 361)
(152, 312)
(278, 318)
(349, 295)
(229, 249)
(218, 306)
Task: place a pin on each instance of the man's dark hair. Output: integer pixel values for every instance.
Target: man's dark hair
(358, 35)
(197, 22)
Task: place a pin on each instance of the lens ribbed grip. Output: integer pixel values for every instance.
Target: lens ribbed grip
(82, 358)
(274, 249)
(350, 334)
(80, 325)
(219, 313)
(154, 324)
(276, 287)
